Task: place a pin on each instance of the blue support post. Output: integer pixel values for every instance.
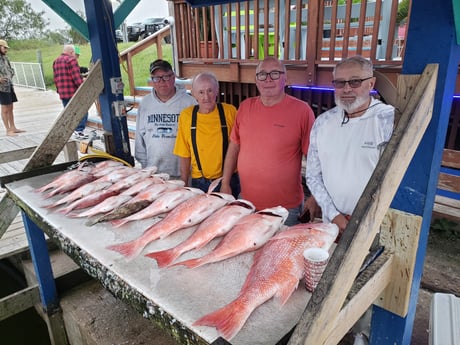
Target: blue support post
(104, 47)
(417, 190)
(42, 266)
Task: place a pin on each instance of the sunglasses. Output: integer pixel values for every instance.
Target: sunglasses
(354, 83)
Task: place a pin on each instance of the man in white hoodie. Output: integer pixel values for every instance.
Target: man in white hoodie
(157, 120)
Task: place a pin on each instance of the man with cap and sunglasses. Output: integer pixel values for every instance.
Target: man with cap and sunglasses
(7, 94)
(157, 120)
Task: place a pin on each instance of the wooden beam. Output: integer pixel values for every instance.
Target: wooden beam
(323, 308)
(19, 301)
(370, 286)
(399, 234)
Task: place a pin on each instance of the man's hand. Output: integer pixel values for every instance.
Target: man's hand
(341, 221)
(311, 210)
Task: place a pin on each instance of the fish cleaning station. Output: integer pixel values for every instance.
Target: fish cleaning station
(396, 204)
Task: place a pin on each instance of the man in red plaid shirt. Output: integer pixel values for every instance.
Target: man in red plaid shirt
(68, 79)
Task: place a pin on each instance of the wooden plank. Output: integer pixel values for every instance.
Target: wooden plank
(323, 308)
(17, 154)
(19, 301)
(371, 284)
(399, 234)
(451, 159)
(449, 182)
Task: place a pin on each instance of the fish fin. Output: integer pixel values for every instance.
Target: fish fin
(191, 263)
(289, 285)
(164, 257)
(129, 249)
(228, 320)
(214, 184)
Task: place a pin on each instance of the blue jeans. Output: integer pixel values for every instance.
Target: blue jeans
(293, 216)
(203, 184)
(81, 126)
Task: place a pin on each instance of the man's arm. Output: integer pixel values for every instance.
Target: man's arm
(231, 159)
(184, 166)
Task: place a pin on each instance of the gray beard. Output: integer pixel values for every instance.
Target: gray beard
(354, 106)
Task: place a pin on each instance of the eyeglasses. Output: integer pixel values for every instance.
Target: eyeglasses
(274, 75)
(165, 77)
(354, 83)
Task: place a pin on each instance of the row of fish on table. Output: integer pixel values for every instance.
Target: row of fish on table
(111, 192)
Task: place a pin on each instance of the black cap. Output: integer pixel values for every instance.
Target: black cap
(160, 64)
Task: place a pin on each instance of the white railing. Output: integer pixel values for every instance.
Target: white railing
(28, 74)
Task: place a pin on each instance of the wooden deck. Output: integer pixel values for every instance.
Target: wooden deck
(35, 112)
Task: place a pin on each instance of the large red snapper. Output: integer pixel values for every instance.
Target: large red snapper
(216, 225)
(248, 234)
(186, 214)
(105, 206)
(71, 182)
(276, 272)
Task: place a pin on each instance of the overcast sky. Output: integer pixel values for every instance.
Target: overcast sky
(143, 10)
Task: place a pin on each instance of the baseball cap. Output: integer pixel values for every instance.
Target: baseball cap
(160, 64)
(3, 43)
(76, 50)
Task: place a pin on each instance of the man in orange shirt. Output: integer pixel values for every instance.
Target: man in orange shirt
(270, 136)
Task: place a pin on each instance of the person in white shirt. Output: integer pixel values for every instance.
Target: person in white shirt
(158, 118)
(346, 141)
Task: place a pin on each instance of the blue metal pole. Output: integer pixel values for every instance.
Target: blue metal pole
(104, 47)
(417, 190)
(42, 265)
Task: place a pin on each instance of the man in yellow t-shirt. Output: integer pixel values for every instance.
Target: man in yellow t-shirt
(203, 133)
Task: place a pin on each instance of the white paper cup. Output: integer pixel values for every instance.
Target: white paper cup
(315, 262)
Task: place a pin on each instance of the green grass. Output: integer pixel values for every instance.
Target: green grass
(33, 51)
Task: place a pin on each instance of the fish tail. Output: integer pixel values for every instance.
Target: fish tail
(192, 263)
(228, 320)
(128, 249)
(164, 257)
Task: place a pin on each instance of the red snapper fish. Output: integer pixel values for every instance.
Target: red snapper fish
(163, 204)
(187, 214)
(276, 272)
(81, 192)
(71, 182)
(105, 206)
(249, 233)
(136, 204)
(88, 201)
(130, 180)
(64, 178)
(216, 225)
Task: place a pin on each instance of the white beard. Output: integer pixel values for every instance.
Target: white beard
(353, 106)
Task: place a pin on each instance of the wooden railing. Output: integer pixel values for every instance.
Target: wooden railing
(126, 56)
(296, 31)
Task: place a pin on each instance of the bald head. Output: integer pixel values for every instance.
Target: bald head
(68, 49)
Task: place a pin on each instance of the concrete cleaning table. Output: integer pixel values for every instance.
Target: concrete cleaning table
(173, 297)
